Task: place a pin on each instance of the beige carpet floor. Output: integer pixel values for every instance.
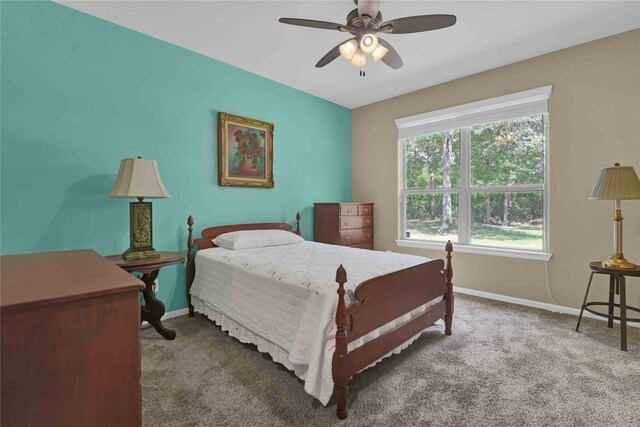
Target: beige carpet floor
(504, 365)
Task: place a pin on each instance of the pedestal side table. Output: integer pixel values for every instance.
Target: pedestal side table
(617, 286)
(153, 310)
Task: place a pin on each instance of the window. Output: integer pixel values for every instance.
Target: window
(475, 175)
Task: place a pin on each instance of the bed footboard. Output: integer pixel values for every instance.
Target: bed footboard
(379, 301)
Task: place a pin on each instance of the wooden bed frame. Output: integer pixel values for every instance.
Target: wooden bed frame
(377, 301)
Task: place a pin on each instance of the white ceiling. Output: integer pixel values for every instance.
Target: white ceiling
(488, 34)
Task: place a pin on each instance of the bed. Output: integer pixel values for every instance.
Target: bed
(283, 299)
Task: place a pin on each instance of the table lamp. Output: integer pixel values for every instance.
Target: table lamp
(617, 183)
(139, 178)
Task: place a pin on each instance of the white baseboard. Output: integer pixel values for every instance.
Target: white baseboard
(482, 294)
(168, 315)
(536, 304)
(175, 313)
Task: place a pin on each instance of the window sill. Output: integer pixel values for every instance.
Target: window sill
(481, 250)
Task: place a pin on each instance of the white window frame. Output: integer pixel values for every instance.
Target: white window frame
(463, 117)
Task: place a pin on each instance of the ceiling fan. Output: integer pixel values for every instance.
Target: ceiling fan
(363, 23)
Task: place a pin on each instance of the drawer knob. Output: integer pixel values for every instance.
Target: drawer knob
(346, 223)
(368, 221)
(346, 239)
(368, 236)
(366, 210)
(348, 210)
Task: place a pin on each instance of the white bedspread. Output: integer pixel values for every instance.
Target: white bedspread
(283, 299)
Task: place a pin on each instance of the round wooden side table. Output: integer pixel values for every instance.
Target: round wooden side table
(617, 286)
(153, 309)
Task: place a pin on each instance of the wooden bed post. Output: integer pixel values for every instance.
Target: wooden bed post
(448, 319)
(298, 216)
(341, 374)
(191, 266)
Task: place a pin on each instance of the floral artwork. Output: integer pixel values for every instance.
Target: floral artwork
(247, 159)
(245, 152)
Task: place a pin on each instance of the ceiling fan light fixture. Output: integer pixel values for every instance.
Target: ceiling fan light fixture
(348, 49)
(369, 43)
(379, 53)
(359, 59)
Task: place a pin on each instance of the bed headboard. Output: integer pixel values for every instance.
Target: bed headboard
(210, 233)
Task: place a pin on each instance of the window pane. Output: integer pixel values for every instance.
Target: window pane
(432, 217)
(507, 220)
(433, 160)
(508, 152)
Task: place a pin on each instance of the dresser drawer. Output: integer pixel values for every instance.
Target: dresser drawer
(348, 209)
(363, 246)
(365, 209)
(349, 222)
(352, 237)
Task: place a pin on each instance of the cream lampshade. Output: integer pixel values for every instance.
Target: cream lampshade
(139, 178)
(616, 183)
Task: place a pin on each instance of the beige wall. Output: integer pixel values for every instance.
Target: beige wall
(594, 121)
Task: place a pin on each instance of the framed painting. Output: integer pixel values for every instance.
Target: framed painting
(245, 152)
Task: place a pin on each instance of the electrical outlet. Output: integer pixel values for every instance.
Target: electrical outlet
(156, 286)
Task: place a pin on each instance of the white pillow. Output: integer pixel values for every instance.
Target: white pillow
(250, 239)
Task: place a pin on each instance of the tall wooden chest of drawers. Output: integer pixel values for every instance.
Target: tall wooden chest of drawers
(345, 224)
(70, 341)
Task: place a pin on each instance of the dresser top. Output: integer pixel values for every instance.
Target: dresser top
(344, 203)
(50, 277)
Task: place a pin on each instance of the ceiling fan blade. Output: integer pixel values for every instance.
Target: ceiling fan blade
(416, 24)
(312, 23)
(369, 7)
(392, 59)
(330, 56)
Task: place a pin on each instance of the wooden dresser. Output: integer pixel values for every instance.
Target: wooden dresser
(346, 224)
(70, 341)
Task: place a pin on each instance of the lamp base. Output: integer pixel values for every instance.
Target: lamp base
(617, 261)
(141, 236)
(131, 254)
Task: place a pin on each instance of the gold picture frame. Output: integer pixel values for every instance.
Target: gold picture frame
(245, 152)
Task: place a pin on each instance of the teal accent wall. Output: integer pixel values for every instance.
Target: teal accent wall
(79, 94)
